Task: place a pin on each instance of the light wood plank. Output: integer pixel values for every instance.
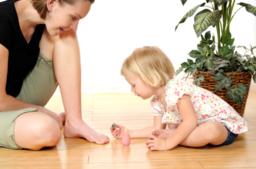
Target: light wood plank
(100, 111)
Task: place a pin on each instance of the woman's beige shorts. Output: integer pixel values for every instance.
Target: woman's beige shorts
(37, 89)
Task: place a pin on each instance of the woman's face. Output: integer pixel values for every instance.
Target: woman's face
(63, 17)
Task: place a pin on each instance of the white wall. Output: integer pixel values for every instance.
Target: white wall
(113, 28)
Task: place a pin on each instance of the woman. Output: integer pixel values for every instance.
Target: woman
(38, 50)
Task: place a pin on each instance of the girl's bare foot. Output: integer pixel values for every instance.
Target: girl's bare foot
(81, 129)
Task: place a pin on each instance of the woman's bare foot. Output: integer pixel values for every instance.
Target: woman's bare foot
(81, 129)
(62, 118)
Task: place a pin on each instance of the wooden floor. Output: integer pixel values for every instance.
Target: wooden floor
(103, 109)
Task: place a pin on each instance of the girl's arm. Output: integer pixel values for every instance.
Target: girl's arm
(119, 131)
(188, 124)
(147, 131)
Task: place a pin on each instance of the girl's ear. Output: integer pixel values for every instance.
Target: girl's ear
(50, 4)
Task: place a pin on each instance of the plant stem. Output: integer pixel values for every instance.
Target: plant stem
(230, 17)
(224, 19)
(218, 27)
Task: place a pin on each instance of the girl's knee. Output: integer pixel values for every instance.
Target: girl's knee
(37, 130)
(217, 132)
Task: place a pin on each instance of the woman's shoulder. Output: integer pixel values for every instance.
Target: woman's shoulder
(8, 23)
(6, 7)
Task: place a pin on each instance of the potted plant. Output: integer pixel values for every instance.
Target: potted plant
(217, 64)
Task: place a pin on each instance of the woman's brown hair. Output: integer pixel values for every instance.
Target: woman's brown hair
(41, 7)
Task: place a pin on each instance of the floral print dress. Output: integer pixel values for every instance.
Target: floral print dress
(207, 105)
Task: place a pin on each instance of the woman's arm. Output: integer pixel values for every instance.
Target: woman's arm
(66, 59)
(8, 102)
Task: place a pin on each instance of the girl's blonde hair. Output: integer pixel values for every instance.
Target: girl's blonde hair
(150, 64)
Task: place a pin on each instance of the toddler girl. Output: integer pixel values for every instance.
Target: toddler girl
(185, 114)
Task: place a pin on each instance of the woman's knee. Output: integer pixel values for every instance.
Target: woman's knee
(36, 130)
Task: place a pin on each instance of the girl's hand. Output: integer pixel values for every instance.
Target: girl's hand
(116, 130)
(163, 133)
(120, 132)
(157, 143)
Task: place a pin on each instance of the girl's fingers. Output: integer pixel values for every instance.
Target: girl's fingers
(150, 140)
(115, 129)
(120, 132)
(125, 138)
(152, 137)
(116, 132)
(151, 146)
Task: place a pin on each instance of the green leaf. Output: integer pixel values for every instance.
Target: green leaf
(179, 70)
(189, 66)
(226, 52)
(183, 2)
(254, 78)
(209, 64)
(227, 39)
(188, 14)
(219, 63)
(222, 81)
(194, 54)
(204, 19)
(205, 49)
(208, 35)
(237, 93)
(200, 65)
(221, 1)
(198, 80)
(218, 2)
(249, 8)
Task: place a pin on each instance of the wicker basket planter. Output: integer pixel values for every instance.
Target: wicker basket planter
(236, 77)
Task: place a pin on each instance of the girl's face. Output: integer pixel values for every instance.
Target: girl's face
(138, 86)
(63, 17)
